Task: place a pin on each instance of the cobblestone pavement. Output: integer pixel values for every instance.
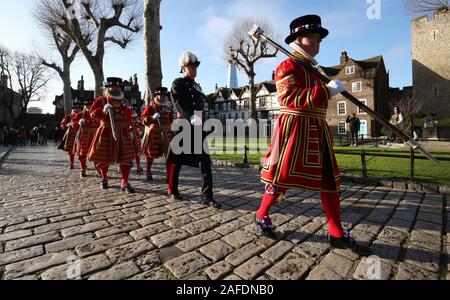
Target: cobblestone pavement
(52, 222)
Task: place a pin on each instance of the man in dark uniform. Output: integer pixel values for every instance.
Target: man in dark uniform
(354, 129)
(188, 99)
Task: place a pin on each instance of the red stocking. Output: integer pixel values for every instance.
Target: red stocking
(72, 159)
(270, 197)
(331, 205)
(138, 161)
(171, 170)
(125, 171)
(149, 165)
(83, 164)
(104, 172)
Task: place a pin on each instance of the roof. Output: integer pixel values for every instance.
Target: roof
(366, 64)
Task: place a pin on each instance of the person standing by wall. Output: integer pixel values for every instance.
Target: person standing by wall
(355, 125)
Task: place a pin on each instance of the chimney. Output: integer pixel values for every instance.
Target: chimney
(135, 80)
(273, 75)
(344, 58)
(80, 86)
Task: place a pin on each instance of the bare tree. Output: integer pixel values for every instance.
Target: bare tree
(243, 51)
(152, 49)
(63, 43)
(96, 22)
(428, 6)
(27, 76)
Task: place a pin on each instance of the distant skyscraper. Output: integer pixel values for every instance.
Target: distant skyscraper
(232, 77)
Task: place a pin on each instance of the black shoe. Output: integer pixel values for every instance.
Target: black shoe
(104, 185)
(71, 167)
(128, 189)
(149, 177)
(139, 171)
(348, 242)
(176, 197)
(211, 203)
(266, 227)
(83, 174)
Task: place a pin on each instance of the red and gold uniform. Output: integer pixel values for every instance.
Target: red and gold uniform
(105, 150)
(71, 126)
(301, 153)
(136, 129)
(86, 136)
(158, 134)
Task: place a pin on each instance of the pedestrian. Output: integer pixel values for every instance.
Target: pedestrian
(56, 133)
(23, 136)
(301, 155)
(188, 99)
(355, 125)
(34, 136)
(40, 133)
(397, 121)
(5, 135)
(136, 129)
(45, 133)
(113, 141)
(157, 118)
(85, 136)
(71, 126)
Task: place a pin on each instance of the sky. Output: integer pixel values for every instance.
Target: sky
(362, 28)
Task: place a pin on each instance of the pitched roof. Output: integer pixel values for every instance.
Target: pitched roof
(366, 64)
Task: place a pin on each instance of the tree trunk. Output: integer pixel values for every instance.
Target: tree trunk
(152, 51)
(65, 76)
(251, 87)
(99, 78)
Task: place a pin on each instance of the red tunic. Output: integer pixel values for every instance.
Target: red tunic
(136, 128)
(105, 150)
(157, 136)
(86, 134)
(301, 154)
(69, 137)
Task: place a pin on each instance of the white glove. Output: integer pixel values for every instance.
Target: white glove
(81, 122)
(106, 108)
(70, 124)
(156, 116)
(196, 120)
(336, 87)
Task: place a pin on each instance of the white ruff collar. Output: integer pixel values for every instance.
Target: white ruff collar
(298, 49)
(120, 97)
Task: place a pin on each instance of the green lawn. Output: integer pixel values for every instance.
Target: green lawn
(377, 167)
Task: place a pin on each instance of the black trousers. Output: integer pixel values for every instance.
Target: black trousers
(207, 180)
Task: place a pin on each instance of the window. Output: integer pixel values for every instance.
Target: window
(243, 116)
(262, 102)
(127, 89)
(246, 104)
(342, 128)
(220, 106)
(236, 116)
(357, 87)
(233, 105)
(342, 108)
(350, 70)
(360, 110)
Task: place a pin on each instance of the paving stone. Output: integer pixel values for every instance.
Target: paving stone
(149, 231)
(121, 228)
(26, 225)
(168, 238)
(69, 243)
(154, 274)
(243, 254)
(58, 226)
(178, 222)
(216, 250)
(200, 226)
(406, 215)
(314, 247)
(89, 227)
(42, 215)
(103, 216)
(332, 267)
(292, 267)
(373, 268)
(233, 278)
(198, 241)
(66, 216)
(129, 251)
(399, 225)
(203, 213)
(392, 236)
(425, 240)
(277, 251)
(430, 217)
(252, 268)
(226, 216)
(32, 241)
(422, 258)
(219, 270)
(125, 218)
(152, 220)
(187, 264)
(149, 261)
(238, 238)
(15, 235)
(36, 264)
(385, 250)
(119, 272)
(19, 255)
(411, 272)
(102, 245)
(68, 271)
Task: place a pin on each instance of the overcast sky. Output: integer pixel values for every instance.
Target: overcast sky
(201, 26)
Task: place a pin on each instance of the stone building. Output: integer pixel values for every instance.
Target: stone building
(6, 94)
(368, 81)
(431, 62)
